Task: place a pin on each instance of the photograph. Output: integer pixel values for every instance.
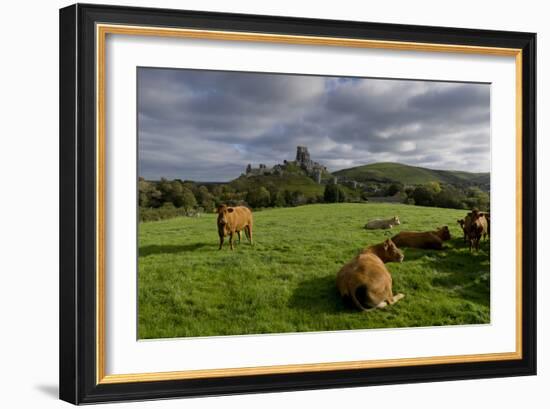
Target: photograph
(274, 203)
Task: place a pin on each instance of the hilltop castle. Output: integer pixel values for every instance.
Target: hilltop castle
(303, 161)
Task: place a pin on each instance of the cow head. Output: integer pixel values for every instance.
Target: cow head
(391, 252)
(396, 221)
(444, 233)
(223, 211)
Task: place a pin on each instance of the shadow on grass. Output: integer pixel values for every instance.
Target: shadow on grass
(467, 275)
(174, 248)
(454, 246)
(457, 270)
(318, 295)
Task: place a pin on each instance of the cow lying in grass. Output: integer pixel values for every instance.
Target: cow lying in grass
(423, 240)
(233, 220)
(367, 277)
(383, 223)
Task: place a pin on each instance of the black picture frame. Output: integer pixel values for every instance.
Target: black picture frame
(78, 360)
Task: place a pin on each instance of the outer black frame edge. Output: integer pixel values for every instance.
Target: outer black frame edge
(77, 211)
(67, 243)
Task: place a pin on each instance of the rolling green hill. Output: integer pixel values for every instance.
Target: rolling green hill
(410, 175)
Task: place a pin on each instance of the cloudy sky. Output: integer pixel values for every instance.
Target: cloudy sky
(208, 125)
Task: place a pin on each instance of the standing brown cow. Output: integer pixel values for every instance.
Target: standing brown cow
(466, 223)
(232, 220)
(479, 227)
(368, 274)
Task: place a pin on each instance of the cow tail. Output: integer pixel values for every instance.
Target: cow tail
(356, 301)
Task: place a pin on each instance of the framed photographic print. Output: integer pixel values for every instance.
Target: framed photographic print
(257, 203)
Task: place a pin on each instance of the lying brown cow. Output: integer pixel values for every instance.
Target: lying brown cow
(478, 228)
(233, 220)
(423, 240)
(367, 275)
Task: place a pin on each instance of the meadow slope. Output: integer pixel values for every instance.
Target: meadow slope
(407, 174)
(286, 281)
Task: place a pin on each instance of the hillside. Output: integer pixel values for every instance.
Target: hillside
(292, 182)
(410, 175)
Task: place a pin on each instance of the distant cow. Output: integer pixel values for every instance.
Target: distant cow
(466, 223)
(367, 278)
(479, 227)
(233, 220)
(383, 223)
(423, 240)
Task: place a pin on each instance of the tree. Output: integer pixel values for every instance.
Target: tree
(175, 193)
(435, 187)
(205, 198)
(394, 188)
(334, 193)
(258, 197)
(449, 197)
(477, 198)
(278, 199)
(423, 196)
(149, 195)
(186, 199)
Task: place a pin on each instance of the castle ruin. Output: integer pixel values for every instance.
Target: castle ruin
(303, 160)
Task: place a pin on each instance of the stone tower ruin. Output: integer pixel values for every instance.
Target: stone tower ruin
(302, 155)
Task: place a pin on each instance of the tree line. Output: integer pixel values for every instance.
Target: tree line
(171, 198)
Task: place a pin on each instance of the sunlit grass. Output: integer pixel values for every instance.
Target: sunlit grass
(286, 281)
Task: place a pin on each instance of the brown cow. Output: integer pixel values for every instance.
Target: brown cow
(233, 220)
(478, 228)
(423, 240)
(367, 274)
(466, 223)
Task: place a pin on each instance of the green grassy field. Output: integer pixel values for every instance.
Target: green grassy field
(286, 281)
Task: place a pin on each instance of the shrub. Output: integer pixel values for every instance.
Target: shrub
(259, 197)
(334, 193)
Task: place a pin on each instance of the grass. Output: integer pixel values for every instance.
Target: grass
(286, 281)
(398, 172)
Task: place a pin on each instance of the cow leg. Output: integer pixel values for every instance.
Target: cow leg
(221, 242)
(249, 231)
(231, 240)
(239, 235)
(381, 304)
(395, 298)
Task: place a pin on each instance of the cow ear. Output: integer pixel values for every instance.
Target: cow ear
(386, 244)
(230, 210)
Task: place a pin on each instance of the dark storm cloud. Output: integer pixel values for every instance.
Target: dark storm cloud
(208, 125)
